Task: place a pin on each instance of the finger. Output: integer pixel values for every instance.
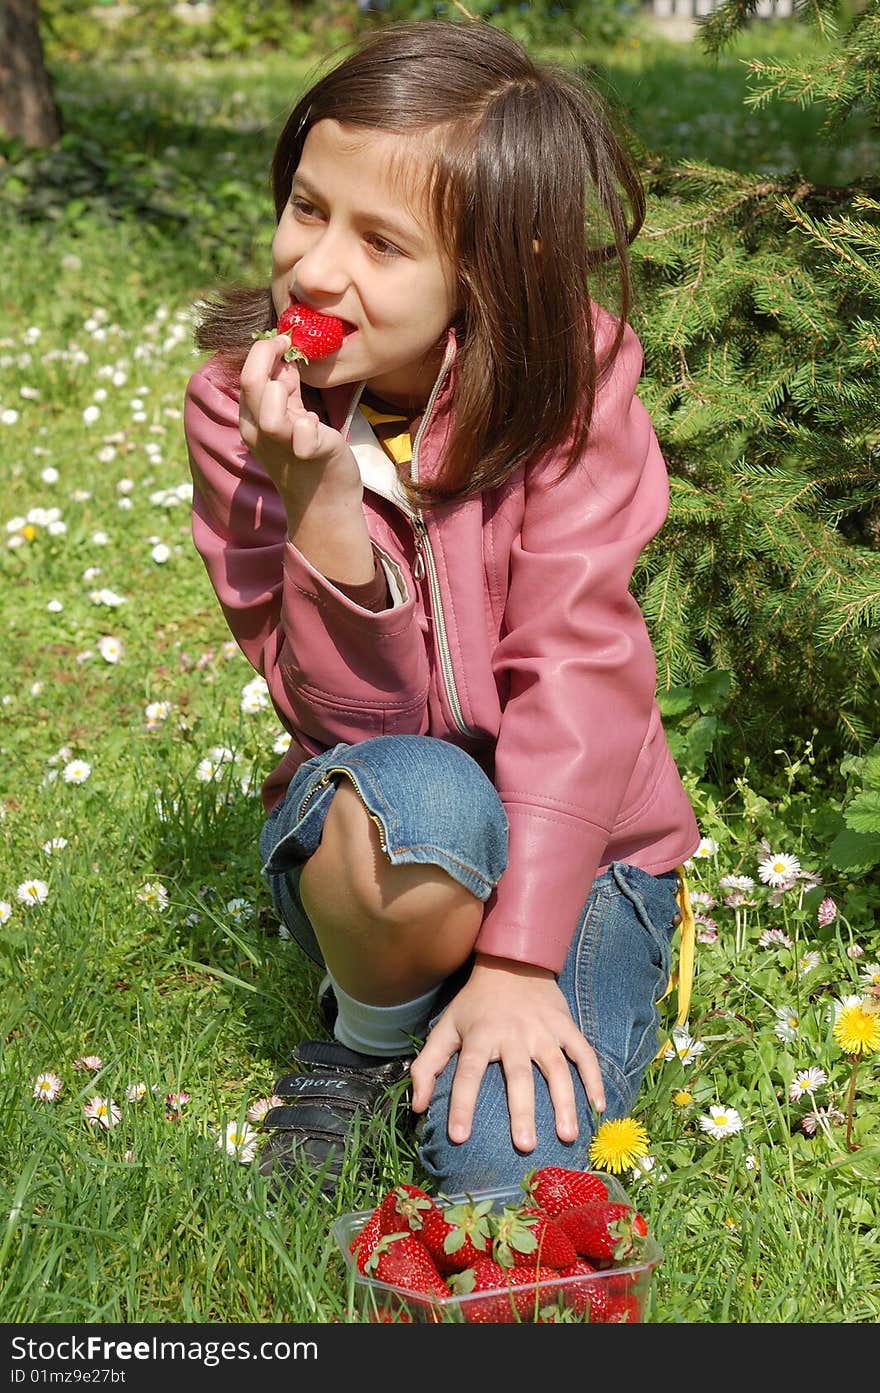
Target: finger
(306, 435)
(584, 1057)
(557, 1074)
(264, 362)
(429, 1063)
(520, 1080)
(274, 414)
(469, 1074)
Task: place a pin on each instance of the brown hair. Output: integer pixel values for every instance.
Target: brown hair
(528, 194)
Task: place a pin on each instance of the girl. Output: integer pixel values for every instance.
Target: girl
(424, 542)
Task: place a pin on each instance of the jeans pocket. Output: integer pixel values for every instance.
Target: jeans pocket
(655, 907)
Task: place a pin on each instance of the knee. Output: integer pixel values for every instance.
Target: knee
(352, 879)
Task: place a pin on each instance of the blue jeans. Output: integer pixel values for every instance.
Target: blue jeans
(435, 805)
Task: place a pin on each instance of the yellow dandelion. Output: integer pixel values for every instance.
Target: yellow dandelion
(683, 1098)
(618, 1145)
(857, 1028)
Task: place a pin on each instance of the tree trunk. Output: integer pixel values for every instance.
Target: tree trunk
(27, 106)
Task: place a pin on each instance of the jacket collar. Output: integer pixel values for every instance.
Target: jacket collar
(341, 403)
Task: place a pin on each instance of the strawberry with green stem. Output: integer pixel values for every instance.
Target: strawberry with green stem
(554, 1188)
(604, 1229)
(529, 1238)
(401, 1260)
(312, 334)
(515, 1291)
(455, 1236)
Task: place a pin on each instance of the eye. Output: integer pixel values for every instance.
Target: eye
(382, 248)
(302, 207)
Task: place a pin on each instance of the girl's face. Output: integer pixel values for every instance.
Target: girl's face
(349, 244)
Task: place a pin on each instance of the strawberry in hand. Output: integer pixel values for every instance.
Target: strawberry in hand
(312, 334)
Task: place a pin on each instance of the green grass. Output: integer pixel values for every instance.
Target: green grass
(158, 191)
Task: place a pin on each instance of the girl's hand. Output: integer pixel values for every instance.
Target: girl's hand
(516, 1014)
(298, 451)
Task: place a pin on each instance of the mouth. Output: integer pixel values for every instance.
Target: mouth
(347, 327)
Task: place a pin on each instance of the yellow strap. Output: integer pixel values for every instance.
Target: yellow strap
(683, 976)
(399, 447)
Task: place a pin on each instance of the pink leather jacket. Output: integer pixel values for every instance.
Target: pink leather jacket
(511, 632)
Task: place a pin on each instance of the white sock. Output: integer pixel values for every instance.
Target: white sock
(380, 1029)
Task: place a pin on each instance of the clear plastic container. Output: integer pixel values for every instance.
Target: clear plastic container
(617, 1293)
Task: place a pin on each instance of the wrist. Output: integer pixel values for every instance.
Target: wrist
(489, 962)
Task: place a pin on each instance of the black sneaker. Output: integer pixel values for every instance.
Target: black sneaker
(337, 1093)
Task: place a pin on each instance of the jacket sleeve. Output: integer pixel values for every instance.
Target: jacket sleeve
(578, 669)
(335, 671)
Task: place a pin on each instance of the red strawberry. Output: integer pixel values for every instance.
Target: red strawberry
(399, 1258)
(406, 1207)
(553, 1188)
(458, 1236)
(363, 1243)
(312, 334)
(455, 1237)
(515, 1291)
(589, 1296)
(603, 1229)
(623, 1309)
(530, 1238)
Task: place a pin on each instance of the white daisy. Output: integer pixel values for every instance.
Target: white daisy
(807, 962)
(708, 847)
(5, 911)
(160, 553)
(257, 1110)
(47, 1087)
(107, 597)
(110, 648)
(239, 1140)
(102, 1111)
(779, 869)
(683, 1046)
(787, 1024)
(736, 882)
(774, 938)
(721, 1122)
(870, 975)
(281, 744)
(806, 1081)
(239, 908)
(54, 844)
(253, 700)
(135, 1092)
(76, 772)
(32, 892)
(154, 895)
(157, 713)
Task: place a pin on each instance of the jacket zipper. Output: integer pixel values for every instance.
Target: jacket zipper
(424, 564)
(429, 566)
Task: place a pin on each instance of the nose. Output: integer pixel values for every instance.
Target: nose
(321, 270)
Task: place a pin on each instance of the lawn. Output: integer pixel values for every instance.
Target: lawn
(139, 955)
